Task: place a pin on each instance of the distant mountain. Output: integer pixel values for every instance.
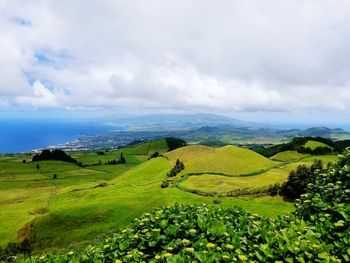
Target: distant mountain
(324, 132)
(171, 122)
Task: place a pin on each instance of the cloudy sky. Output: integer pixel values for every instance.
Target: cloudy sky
(267, 57)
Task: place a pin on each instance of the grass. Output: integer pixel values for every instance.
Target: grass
(314, 144)
(223, 184)
(188, 153)
(72, 210)
(288, 156)
(230, 160)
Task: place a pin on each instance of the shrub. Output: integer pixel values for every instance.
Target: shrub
(299, 179)
(154, 155)
(164, 184)
(178, 167)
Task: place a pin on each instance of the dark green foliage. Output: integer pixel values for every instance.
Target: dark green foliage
(38, 167)
(164, 184)
(217, 201)
(317, 151)
(299, 179)
(340, 146)
(154, 155)
(100, 153)
(297, 144)
(112, 162)
(24, 161)
(326, 205)
(57, 155)
(122, 160)
(174, 143)
(178, 167)
(54, 176)
(9, 253)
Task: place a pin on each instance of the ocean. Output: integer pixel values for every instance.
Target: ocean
(18, 135)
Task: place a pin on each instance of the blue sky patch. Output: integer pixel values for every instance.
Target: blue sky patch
(21, 21)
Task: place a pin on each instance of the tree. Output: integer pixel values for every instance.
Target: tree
(57, 154)
(174, 143)
(154, 155)
(122, 159)
(300, 179)
(54, 176)
(37, 167)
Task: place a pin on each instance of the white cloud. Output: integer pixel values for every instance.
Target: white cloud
(41, 97)
(202, 55)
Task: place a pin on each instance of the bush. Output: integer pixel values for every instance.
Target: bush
(154, 155)
(299, 179)
(164, 184)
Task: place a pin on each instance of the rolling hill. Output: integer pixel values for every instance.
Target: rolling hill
(314, 144)
(188, 153)
(229, 160)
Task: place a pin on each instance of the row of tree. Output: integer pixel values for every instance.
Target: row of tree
(178, 167)
(297, 144)
(121, 160)
(56, 154)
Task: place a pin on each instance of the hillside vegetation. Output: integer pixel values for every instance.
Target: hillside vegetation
(81, 203)
(318, 231)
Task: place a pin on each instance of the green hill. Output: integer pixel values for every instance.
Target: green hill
(229, 160)
(314, 144)
(287, 156)
(188, 153)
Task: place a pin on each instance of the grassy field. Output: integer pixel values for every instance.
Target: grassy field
(287, 156)
(84, 203)
(314, 144)
(222, 184)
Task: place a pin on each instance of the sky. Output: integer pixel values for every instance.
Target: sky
(271, 60)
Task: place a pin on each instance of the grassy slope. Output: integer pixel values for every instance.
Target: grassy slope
(26, 192)
(78, 212)
(314, 144)
(224, 184)
(231, 160)
(188, 153)
(287, 156)
(73, 215)
(133, 154)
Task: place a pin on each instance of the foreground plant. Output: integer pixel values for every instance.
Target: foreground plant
(317, 232)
